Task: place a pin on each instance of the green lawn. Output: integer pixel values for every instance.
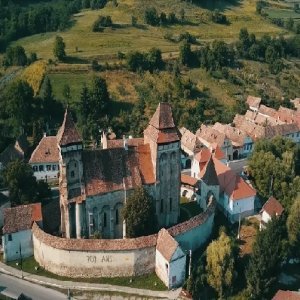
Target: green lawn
(150, 281)
(83, 43)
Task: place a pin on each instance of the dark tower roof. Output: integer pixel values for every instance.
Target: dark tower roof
(68, 133)
(161, 128)
(209, 174)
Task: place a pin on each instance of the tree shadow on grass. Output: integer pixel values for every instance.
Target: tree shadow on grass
(217, 4)
(75, 60)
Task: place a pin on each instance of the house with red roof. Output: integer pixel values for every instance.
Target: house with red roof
(17, 234)
(44, 159)
(272, 208)
(286, 295)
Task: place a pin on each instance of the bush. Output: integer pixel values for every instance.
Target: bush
(219, 18)
(188, 37)
(151, 17)
(102, 22)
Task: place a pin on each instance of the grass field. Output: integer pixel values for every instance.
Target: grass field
(82, 43)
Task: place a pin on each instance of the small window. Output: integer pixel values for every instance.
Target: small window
(41, 168)
(167, 268)
(117, 216)
(35, 168)
(104, 220)
(54, 168)
(161, 206)
(48, 167)
(9, 238)
(72, 174)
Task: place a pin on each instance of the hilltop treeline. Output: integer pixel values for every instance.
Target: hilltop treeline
(20, 18)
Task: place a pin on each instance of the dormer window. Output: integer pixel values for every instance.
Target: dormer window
(72, 174)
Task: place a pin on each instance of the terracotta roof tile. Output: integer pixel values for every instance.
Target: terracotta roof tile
(162, 118)
(230, 183)
(119, 143)
(188, 180)
(117, 169)
(286, 295)
(46, 151)
(166, 244)
(209, 136)
(68, 133)
(21, 217)
(272, 207)
(268, 111)
(253, 101)
(190, 140)
(161, 128)
(94, 244)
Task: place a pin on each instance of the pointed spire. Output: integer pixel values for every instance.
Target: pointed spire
(68, 133)
(209, 174)
(161, 128)
(163, 117)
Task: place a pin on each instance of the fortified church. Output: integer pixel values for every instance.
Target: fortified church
(94, 184)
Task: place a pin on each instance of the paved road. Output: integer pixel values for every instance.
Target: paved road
(13, 287)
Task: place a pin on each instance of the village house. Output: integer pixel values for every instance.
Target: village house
(190, 145)
(170, 260)
(212, 138)
(190, 187)
(17, 235)
(242, 143)
(14, 151)
(253, 102)
(44, 159)
(272, 208)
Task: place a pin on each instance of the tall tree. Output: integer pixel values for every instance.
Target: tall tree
(185, 54)
(220, 264)
(22, 185)
(139, 214)
(268, 252)
(293, 226)
(59, 48)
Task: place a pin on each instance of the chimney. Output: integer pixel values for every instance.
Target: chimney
(125, 142)
(45, 134)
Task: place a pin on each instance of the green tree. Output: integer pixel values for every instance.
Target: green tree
(185, 54)
(22, 185)
(151, 17)
(15, 56)
(293, 226)
(220, 264)
(264, 264)
(139, 214)
(59, 48)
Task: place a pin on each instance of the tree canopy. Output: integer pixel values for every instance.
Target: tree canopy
(220, 264)
(22, 185)
(59, 48)
(139, 214)
(293, 226)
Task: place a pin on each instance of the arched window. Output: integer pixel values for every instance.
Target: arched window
(117, 217)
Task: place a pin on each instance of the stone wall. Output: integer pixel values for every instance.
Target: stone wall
(117, 257)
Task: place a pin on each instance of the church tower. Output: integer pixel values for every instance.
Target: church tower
(164, 139)
(71, 184)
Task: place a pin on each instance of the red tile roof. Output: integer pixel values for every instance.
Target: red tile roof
(188, 180)
(46, 151)
(119, 143)
(166, 244)
(253, 101)
(117, 169)
(272, 207)
(68, 133)
(233, 185)
(208, 135)
(21, 217)
(161, 128)
(190, 141)
(286, 295)
(162, 118)
(203, 156)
